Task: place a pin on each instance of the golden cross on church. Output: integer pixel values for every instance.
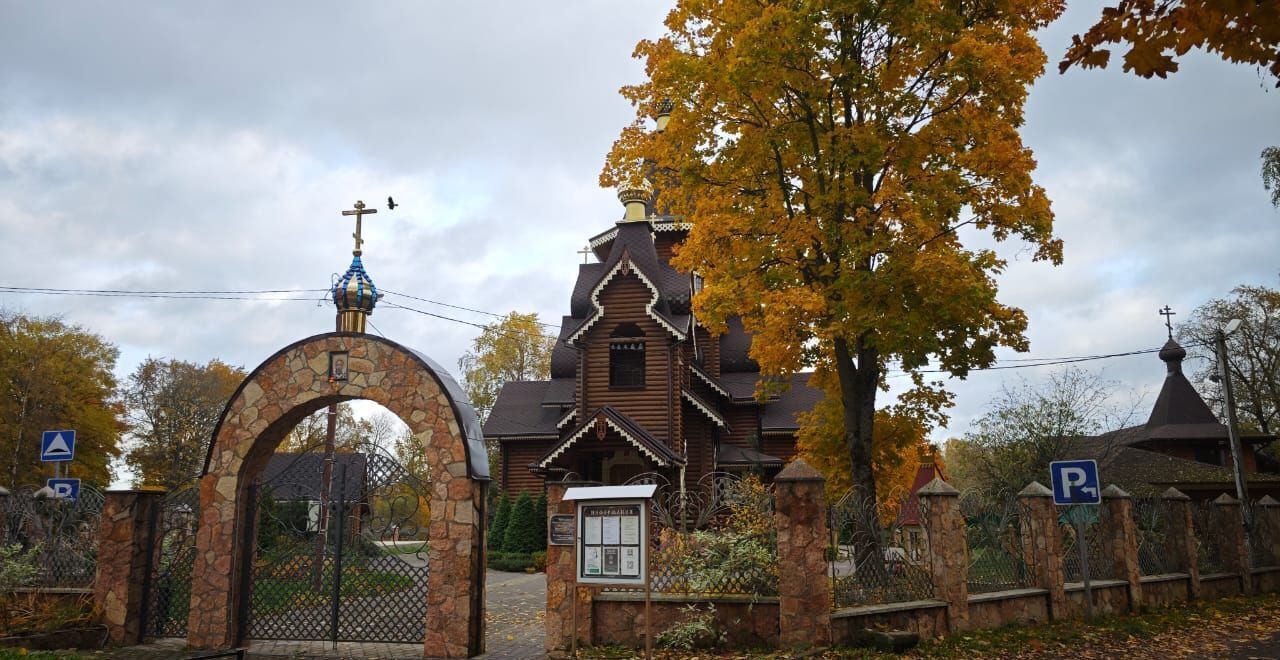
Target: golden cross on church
(359, 212)
(586, 250)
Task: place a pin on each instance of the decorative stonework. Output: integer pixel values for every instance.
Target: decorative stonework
(947, 542)
(1120, 541)
(1181, 539)
(285, 389)
(123, 541)
(804, 593)
(1042, 540)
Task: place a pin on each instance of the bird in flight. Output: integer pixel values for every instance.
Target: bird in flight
(391, 204)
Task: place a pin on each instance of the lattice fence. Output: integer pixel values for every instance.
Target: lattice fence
(61, 534)
(1266, 534)
(997, 551)
(713, 538)
(1101, 566)
(1152, 523)
(173, 554)
(1208, 557)
(879, 551)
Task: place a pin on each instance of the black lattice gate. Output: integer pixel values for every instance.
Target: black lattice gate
(173, 552)
(346, 563)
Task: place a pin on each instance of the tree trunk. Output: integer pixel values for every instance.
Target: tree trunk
(858, 381)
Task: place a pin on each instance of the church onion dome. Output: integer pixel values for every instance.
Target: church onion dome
(635, 195)
(1172, 354)
(355, 291)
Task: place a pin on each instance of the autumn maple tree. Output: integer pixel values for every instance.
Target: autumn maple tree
(1156, 32)
(829, 154)
(512, 348)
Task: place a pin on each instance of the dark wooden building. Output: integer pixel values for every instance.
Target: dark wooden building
(637, 383)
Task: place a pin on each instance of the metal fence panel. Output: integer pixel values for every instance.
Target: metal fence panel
(1100, 565)
(993, 530)
(1151, 523)
(1208, 557)
(879, 551)
(1266, 533)
(62, 534)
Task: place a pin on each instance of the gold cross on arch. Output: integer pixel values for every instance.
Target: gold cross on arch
(359, 212)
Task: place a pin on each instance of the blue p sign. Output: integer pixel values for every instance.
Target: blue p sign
(64, 489)
(1075, 482)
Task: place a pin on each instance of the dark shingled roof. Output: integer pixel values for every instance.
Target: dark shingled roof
(734, 344)
(732, 455)
(518, 411)
(564, 358)
(294, 477)
(780, 415)
(1146, 473)
(560, 392)
(628, 426)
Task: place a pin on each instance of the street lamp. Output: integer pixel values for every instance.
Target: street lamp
(1233, 433)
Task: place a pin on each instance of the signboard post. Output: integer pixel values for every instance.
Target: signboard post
(611, 543)
(1076, 484)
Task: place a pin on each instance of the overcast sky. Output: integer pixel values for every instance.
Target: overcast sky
(212, 145)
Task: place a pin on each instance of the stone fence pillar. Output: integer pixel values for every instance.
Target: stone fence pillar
(1042, 545)
(1181, 539)
(1120, 541)
(124, 539)
(804, 590)
(1228, 533)
(950, 566)
(1266, 527)
(561, 585)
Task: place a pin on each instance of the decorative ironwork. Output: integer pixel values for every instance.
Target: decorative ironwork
(62, 534)
(353, 568)
(1208, 556)
(1101, 566)
(879, 551)
(1266, 534)
(998, 554)
(173, 548)
(714, 538)
(1151, 522)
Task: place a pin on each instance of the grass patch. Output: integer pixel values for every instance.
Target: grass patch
(276, 595)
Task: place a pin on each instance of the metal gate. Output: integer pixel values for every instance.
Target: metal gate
(173, 551)
(349, 564)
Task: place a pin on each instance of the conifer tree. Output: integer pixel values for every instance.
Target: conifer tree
(498, 530)
(522, 531)
(540, 514)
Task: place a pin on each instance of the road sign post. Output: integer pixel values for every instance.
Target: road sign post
(1076, 485)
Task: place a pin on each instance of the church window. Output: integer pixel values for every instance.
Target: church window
(626, 356)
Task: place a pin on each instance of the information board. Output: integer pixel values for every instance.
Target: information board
(611, 541)
(560, 529)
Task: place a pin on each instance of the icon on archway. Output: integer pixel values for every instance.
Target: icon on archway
(337, 366)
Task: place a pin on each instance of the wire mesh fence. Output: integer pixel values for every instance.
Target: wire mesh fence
(1093, 520)
(997, 552)
(879, 551)
(1266, 535)
(1151, 524)
(173, 554)
(714, 538)
(1209, 557)
(60, 535)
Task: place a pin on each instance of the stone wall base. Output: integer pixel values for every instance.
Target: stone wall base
(619, 619)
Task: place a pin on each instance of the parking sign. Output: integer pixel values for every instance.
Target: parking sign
(1075, 482)
(64, 489)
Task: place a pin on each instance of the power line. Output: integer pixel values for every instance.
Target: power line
(465, 309)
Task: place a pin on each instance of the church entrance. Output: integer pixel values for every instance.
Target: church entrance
(394, 550)
(340, 548)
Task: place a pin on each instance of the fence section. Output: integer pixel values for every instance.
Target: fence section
(1092, 519)
(168, 598)
(993, 530)
(1209, 557)
(1151, 522)
(715, 538)
(1266, 533)
(60, 534)
(879, 551)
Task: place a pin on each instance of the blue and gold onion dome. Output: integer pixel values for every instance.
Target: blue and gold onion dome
(355, 291)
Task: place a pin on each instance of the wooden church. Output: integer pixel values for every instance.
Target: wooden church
(637, 383)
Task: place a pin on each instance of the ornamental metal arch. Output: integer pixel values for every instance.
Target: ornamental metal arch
(297, 381)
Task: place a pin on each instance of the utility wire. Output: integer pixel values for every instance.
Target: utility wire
(253, 295)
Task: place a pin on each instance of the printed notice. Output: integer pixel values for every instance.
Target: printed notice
(591, 530)
(631, 561)
(610, 530)
(591, 562)
(610, 561)
(630, 530)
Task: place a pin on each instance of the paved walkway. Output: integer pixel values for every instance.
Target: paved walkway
(513, 630)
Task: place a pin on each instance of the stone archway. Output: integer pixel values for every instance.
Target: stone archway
(283, 390)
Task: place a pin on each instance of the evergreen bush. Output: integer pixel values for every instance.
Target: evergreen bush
(498, 530)
(540, 513)
(522, 529)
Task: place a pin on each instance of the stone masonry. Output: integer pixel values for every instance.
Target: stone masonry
(123, 541)
(804, 592)
(940, 502)
(1042, 545)
(291, 385)
(1181, 539)
(1120, 541)
(1228, 533)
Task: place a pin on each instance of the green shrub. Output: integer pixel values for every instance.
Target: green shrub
(540, 514)
(498, 530)
(696, 629)
(522, 530)
(516, 562)
(540, 560)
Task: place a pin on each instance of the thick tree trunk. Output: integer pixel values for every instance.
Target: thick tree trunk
(859, 372)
